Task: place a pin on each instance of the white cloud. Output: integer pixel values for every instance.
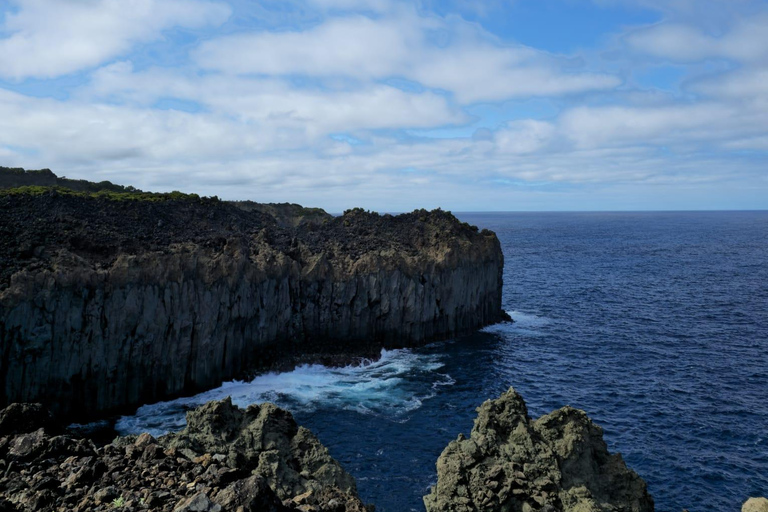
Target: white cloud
(269, 101)
(746, 41)
(526, 136)
(683, 128)
(354, 5)
(354, 46)
(748, 84)
(49, 38)
(466, 61)
(277, 105)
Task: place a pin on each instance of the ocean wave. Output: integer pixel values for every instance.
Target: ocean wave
(391, 387)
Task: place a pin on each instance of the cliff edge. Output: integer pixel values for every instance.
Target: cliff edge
(114, 297)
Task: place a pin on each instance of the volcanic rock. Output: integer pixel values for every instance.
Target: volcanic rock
(227, 459)
(512, 463)
(112, 297)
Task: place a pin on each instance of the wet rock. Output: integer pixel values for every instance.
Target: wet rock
(556, 463)
(755, 505)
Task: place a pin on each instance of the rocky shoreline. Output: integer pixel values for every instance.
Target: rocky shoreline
(112, 297)
(260, 460)
(257, 459)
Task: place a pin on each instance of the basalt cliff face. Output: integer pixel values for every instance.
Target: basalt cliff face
(118, 298)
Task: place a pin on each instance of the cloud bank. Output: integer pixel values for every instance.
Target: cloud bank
(391, 104)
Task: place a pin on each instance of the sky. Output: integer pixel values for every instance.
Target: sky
(392, 105)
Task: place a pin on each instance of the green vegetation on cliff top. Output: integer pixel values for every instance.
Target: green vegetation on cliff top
(17, 181)
(137, 195)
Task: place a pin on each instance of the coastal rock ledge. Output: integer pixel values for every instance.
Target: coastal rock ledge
(510, 463)
(225, 460)
(112, 297)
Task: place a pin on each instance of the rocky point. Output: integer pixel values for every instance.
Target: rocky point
(511, 463)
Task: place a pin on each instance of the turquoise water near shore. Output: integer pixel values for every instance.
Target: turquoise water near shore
(656, 324)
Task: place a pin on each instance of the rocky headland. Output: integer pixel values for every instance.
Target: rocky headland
(511, 463)
(111, 297)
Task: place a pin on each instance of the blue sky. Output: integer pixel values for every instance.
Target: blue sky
(396, 104)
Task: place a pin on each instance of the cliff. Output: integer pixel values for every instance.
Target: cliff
(226, 459)
(110, 299)
(558, 463)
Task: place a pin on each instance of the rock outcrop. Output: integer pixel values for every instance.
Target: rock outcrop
(111, 299)
(227, 459)
(755, 505)
(512, 463)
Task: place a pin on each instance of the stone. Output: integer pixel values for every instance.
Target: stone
(265, 440)
(253, 459)
(105, 495)
(755, 505)
(252, 494)
(27, 445)
(197, 503)
(565, 465)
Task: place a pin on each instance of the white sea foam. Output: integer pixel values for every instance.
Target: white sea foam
(397, 383)
(528, 319)
(524, 323)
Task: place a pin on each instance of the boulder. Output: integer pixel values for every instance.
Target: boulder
(266, 440)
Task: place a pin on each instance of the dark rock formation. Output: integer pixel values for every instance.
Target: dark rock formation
(286, 214)
(512, 463)
(111, 299)
(227, 459)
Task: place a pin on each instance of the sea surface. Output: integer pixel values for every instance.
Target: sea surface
(656, 324)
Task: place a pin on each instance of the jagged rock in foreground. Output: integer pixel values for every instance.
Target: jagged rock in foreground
(755, 505)
(227, 459)
(511, 463)
(111, 297)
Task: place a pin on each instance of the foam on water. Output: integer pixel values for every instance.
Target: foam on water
(527, 324)
(391, 387)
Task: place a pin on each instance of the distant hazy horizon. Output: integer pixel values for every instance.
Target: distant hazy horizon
(526, 105)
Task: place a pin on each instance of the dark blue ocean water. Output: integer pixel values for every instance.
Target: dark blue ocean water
(656, 324)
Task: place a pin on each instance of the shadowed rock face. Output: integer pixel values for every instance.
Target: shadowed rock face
(108, 303)
(227, 459)
(512, 463)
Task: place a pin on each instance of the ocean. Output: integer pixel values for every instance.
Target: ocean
(654, 323)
